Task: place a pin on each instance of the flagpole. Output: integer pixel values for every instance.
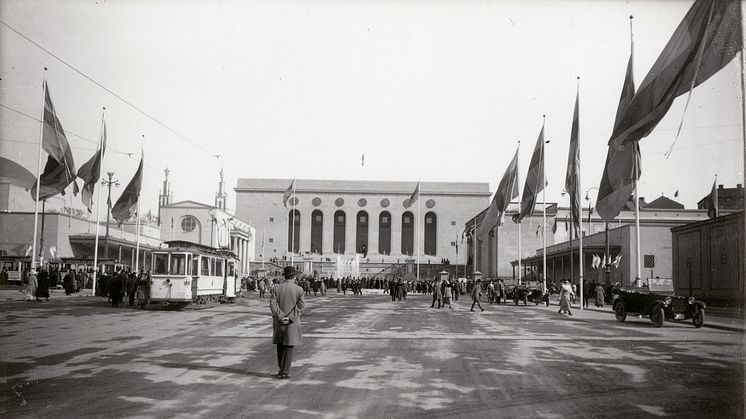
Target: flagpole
(137, 220)
(580, 208)
(517, 175)
(292, 229)
(715, 201)
(38, 169)
(544, 213)
(98, 206)
(419, 228)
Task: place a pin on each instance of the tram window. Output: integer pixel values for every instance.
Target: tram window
(219, 267)
(160, 264)
(205, 266)
(231, 269)
(195, 265)
(178, 264)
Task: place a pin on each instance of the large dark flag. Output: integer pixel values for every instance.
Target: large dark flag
(507, 189)
(573, 166)
(59, 172)
(126, 205)
(706, 40)
(414, 197)
(622, 166)
(90, 172)
(288, 193)
(712, 201)
(534, 180)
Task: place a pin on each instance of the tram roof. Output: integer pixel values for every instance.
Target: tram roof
(183, 245)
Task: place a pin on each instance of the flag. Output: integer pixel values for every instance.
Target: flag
(708, 38)
(712, 201)
(594, 261)
(90, 172)
(415, 195)
(59, 172)
(28, 250)
(617, 259)
(676, 194)
(126, 205)
(573, 166)
(363, 160)
(554, 227)
(53, 251)
(622, 166)
(538, 228)
(507, 189)
(288, 193)
(534, 180)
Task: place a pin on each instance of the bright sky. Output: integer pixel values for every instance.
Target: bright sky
(436, 91)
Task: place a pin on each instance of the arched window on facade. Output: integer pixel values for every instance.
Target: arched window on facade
(361, 233)
(317, 228)
(384, 233)
(407, 233)
(294, 231)
(431, 233)
(339, 231)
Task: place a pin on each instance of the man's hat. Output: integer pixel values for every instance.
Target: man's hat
(289, 272)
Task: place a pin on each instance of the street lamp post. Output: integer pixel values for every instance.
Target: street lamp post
(108, 183)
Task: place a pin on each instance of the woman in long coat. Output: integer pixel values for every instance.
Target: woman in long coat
(43, 290)
(564, 297)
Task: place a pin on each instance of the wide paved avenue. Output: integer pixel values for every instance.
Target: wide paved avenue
(362, 356)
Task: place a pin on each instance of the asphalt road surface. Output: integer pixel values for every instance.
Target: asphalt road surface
(362, 356)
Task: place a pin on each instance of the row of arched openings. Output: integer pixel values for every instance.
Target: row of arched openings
(362, 222)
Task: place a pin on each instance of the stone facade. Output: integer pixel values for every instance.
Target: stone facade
(261, 202)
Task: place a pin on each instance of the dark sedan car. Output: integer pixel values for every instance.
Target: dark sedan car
(658, 306)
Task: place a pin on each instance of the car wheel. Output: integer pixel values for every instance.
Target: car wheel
(525, 301)
(620, 311)
(657, 316)
(699, 317)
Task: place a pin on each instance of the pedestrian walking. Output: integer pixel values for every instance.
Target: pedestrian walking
(437, 294)
(286, 304)
(599, 295)
(33, 283)
(565, 294)
(42, 291)
(476, 292)
(447, 288)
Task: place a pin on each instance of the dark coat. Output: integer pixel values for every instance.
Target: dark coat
(287, 301)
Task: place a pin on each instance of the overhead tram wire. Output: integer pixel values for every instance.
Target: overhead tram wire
(127, 102)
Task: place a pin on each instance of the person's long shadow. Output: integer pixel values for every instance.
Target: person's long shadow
(227, 370)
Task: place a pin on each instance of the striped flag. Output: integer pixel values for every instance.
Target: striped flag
(288, 193)
(415, 195)
(573, 166)
(534, 180)
(507, 189)
(622, 162)
(126, 205)
(90, 172)
(59, 172)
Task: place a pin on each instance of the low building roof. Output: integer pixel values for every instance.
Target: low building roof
(363, 186)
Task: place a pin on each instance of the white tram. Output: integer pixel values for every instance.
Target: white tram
(186, 272)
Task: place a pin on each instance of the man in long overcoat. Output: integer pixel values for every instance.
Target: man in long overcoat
(286, 303)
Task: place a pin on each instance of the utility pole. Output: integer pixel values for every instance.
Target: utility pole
(108, 183)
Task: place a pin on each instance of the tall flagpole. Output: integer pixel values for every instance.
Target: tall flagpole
(517, 179)
(580, 209)
(474, 242)
(637, 200)
(419, 228)
(544, 213)
(137, 220)
(292, 229)
(38, 168)
(98, 204)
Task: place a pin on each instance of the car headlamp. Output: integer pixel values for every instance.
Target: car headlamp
(668, 300)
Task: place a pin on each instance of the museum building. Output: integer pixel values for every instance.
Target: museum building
(322, 219)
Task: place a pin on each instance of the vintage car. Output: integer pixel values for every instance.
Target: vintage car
(659, 306)
(521, 293)
(539, 297)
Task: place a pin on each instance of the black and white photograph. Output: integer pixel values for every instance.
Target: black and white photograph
(372, 209)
